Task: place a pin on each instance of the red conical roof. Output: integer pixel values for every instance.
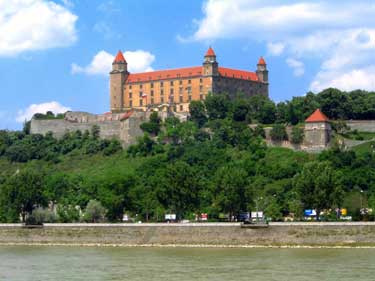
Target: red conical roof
(317, 116)
(262, 61)
(210, 53)
(119, 58)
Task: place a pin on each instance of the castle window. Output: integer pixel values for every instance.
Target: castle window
(171, 91)
(130, 103)
(161, 92)
(200, 80)
(181, 90)
(161, 84)
(180, 82)
(189, 81)
(130, 86)
(141, 102)
(171, 83)
(152, 100)
(152, 93)
(201, 88)
(181, 99)
(189, 98)
(140, 94)
(201, 97)
(181, 108)
(140, 86)
(152, 85)
(162, 99)
(188, 90)
(130, 95)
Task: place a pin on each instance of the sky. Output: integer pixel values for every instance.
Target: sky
(56, 54)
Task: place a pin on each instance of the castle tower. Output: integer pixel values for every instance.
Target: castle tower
(118, 76)
(317, 130)
(262, 71)
(210, 65)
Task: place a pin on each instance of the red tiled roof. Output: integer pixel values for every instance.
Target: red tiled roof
(210, 53)
(317, 116)
(262, 61)
(188, 72)
(239, 74)
(165, 74)
(119, 58)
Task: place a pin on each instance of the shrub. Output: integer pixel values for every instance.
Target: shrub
(297, 135)
(95, 212)
(278, 133)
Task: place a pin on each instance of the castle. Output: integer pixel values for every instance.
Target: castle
(176, 88)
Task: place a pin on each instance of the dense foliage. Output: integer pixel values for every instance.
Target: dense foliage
(214, 163)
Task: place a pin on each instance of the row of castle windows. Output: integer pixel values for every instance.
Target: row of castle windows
(162, 83)
(171, 91)
(201, 97)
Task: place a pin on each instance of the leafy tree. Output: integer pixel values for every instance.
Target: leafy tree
(319, 186)
(95, 212)
(198, 113)
(230, 183)
(217, 106)
(278, 133)
(153, 126)
(297, 135)
(21, 194)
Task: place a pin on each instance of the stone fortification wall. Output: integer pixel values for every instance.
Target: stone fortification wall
(122, 126)
(362, 125)
(224, 234)
(233, 85)
(108, 129)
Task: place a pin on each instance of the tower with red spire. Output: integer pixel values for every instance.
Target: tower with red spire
(262, 71)
(118, 76)
(317, 131)
(210, 65)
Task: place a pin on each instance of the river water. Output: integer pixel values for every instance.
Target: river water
(184, 264)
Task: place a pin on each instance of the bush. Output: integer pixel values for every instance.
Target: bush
(278, 133)
(95, 212)
(297, 135)
(40, 216)
(68, 213)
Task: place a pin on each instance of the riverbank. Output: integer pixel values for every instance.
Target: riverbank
(231, 235)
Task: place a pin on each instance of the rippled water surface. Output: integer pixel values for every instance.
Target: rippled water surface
(84, 263)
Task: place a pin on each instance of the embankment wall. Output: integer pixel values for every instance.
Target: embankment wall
(362, 125)
(283, 234)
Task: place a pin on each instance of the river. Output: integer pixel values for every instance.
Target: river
(184, 264)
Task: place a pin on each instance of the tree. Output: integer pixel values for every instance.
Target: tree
(230, 183)
(217, 106)
(21, 194)
(153, 126)
(278, 133)
(297, 135)
(95, 212)
(198, 113)
(319, 186)
(95, 132)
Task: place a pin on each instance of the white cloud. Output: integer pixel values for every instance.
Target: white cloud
(101, 64)
(29, 25)
(28, 113)
(68, 3)
(351, 80)
(275, 49)
(297, 66)
(108, 7)
(338, 34)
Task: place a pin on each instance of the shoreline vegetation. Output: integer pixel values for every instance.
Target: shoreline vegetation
(215, 166)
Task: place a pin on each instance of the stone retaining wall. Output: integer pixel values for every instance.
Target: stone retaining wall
(282, 234)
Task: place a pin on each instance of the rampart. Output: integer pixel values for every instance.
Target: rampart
(362, 125)
(200, 234)
(122, 126)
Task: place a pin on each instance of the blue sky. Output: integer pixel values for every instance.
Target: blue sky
(55, 55)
